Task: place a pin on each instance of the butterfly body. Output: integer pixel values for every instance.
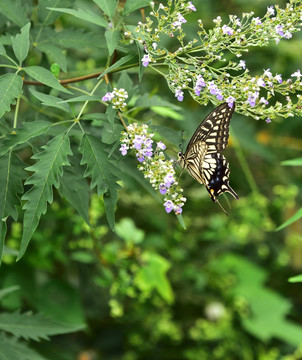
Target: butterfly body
(203, 158)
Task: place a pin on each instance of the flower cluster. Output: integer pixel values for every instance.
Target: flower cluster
(200, 66)
(153, 164)
(117, 97)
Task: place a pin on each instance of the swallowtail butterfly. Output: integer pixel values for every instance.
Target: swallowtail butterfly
(203, 158)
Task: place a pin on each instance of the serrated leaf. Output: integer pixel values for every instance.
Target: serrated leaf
(108, 6)
(54, 53)
(47, 171)
(21, 43)
(85, 15)
(47, 16)
(34, 326)
(12, 349)
(11, 175)
(75, 188)
(45, 77)
(14, 11)
(77, 39)
(102, 172)
(132, 5)
(119, 63)
(292, 219)
(292, 162)
(10, 89)
(112, 39)
(21, 135)
(50, 100)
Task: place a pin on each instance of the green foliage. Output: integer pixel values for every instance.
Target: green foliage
(149, 289)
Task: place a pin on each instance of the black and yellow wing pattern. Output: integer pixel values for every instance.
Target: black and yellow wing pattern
(203, 158)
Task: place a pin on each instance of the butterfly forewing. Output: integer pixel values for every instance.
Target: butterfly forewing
(202, 157)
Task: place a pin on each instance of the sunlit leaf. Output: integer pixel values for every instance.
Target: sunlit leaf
(292, 219)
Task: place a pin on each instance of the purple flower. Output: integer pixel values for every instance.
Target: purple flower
(168, 206)
(148, 142)
(108, 97)
(138, 141)
(169, 180)
(242, 64)
(278, 78)
(162, 189)
(219, 95)
(257, 21)
(140, 157)
(230, 100)
(268, 120)
(180, 20)
(200, 83)
(160, 145)
(179, 95)
(252, 98)
(227, 30)
(212, 87)
(279, 30)
(297, 74)
(190, 6)
(263, 101)
(177, 210)
(123, 149)
(261, 82)
(267, 73)
(270, 10)
(288, 35)
(145, 60)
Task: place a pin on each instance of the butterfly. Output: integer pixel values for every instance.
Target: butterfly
(203, 158)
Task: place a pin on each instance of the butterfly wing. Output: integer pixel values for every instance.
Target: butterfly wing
(214, 129)
(203, 159)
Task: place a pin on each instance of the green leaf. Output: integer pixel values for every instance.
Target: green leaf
(102, 172)
(127, 230)
(8, 290)
(132, 5)
(292, 162)
(47, 171)
(152, 275)
(112, 39)
(46, 16)
(119, 63)
(23, 134)
(10, 89)
(54, 53)
(2, 50)
(11, 175)
(85, 15)
(12, 349)
(147, 101)
(77, 39)
(295, 217)
(166, 112)
(50, 100)
(108, 6)
(294, 279)
(82, 98)
(21, 43)
(34, 326)
(75, 188)
(45, 77)
(14, 11)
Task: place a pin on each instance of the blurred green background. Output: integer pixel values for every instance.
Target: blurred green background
(152, 290)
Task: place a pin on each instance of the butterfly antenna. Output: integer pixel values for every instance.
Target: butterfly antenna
(222, 208)
(182, 141)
